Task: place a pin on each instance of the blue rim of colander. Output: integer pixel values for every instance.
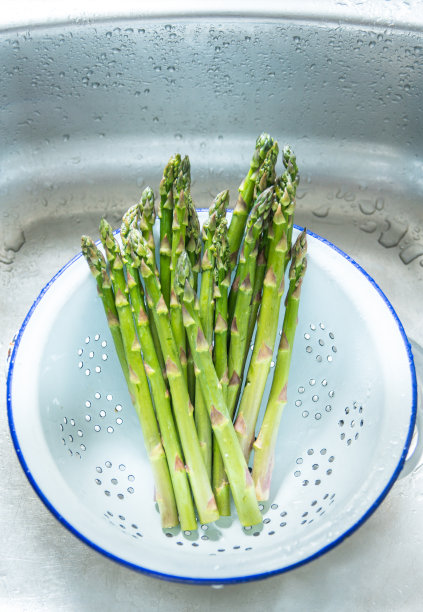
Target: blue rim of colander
(234, 579)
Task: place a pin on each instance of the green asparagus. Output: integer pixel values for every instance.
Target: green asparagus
(266, 328)
(166, 216)
(217, 213)
(182, 407)
(138, 382)
(245, 199)
(221, 285)
(238, 474)
(264, 446)
(160, 395)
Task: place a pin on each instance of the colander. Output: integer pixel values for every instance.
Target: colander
(343, 439)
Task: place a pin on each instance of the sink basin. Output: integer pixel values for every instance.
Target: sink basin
(93, 105)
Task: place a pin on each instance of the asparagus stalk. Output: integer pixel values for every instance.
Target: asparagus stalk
(193, 243)
(179, 225)
(147, 217)
(246, 193)
(221, 285)
(239, 476)
(266, 328)
(138, 387)
(160, 395)
(217, 213)
(193, 246)
(181, 187)
(264, 446)
(97, 265)
(257, 295)
(129, 222)
(182, 407)
(290, 163)
(166, 216)
(261, 210)
(264, 178)
(264, 245)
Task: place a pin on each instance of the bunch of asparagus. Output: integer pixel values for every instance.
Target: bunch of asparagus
(182, 329)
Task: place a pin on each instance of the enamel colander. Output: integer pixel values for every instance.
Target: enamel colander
(343, 439)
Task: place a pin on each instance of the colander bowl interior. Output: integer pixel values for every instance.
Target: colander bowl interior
(343, 438)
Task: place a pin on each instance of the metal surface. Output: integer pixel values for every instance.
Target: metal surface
(81, 138)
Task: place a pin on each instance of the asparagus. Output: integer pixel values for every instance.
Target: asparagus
(257, 294)
(193, 243)
(97, 265)
(221, 286)
(267, 326)
(260, 274)
(217, 213)
(147, 217)
(160, 395)
(246, 192)
(129, 222)
(182, 407)
(193, 246)
(261, 210)
(264, 178)
(238, 474)
(166, 215)
(179, 224)
(290, 163)
(264, 446)
(138, 382)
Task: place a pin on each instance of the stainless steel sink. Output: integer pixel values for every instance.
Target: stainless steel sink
(90, 111)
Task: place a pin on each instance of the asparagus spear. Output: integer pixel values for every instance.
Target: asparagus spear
(160, 395)
(290, 163)
(166, 215)
(221, 284)
(239, 476)
(138, 387)
(257, 294)
(129, 222)
(280, 185)
(182, 407)
(217, 212)
(147, 217)
(193, 246)
(181, 187)
(193, 243)
(264, 446)
(245, 198)
(266, 328)
(179, 224)
(97, 265)
(261, 210)
(264, 178)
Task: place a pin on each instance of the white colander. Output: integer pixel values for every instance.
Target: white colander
(344, 434)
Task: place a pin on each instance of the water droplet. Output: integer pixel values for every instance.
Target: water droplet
(367, 207)
(368, 226)
(411, 253)
(14, 240)
(321, 212)
(394, 234)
